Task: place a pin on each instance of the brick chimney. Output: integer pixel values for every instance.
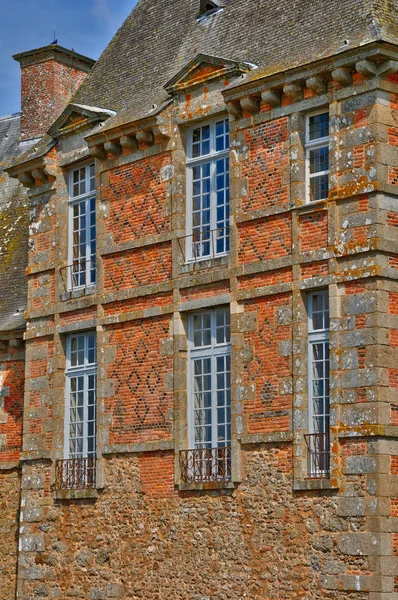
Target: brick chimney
(50, 77)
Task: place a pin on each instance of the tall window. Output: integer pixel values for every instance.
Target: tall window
(209, 397)
(318, 382)
(78, 470)
(208, 190)
(82, 233)
(317, 156)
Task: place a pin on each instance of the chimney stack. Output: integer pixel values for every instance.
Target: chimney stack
(50, 76)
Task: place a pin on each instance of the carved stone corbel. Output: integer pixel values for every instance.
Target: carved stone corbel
(250, 104)
(145, 137)
(316, 85)
(388, 68)
(26, 179)
(342, 75)
(234, 109)
(294, 91)
(366, 68)
(39, 175)
(98, 152)
(113, 148)
(272, 98)
(129, 142)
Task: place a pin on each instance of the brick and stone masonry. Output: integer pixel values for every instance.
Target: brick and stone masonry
(271, 532)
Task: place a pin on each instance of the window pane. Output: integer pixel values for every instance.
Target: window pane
(319, 126)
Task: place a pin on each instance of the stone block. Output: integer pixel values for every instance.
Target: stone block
(115, 590)
(31, 543)
(360, 465)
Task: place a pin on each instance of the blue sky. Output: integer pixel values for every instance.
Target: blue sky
(84, 25)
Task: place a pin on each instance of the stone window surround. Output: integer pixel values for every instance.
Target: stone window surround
(300, 388)
(181, 357)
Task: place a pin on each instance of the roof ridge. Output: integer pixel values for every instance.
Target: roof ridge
(10, 116)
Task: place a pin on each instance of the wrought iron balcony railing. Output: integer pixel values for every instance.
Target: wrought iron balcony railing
(205, 244)
(318, 445)
(205, 465)
(80, 274)
(75, 473)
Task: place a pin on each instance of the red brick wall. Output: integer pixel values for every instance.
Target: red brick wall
(157, 474)
(140, 405)
(143, 266)
(270, 409)
(12, 384)
(137, 196)
(264, 167)
(313, 231)
(265, 239)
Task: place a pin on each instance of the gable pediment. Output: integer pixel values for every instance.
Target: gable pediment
(203, 69)
(77, 116)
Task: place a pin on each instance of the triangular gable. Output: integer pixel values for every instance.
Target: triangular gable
(77, 115)
(202, 69)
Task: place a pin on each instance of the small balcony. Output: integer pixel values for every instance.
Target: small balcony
(205, 244)
(80, 275)
(318, 445)
(206, 465)
(75, 474)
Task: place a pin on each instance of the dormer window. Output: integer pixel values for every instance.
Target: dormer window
(208, 8)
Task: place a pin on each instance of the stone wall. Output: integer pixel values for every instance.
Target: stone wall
(271, 531)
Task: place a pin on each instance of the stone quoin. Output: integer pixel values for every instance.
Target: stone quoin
(199, 308)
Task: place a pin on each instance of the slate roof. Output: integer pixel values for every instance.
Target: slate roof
(161, 36)
(14, 223)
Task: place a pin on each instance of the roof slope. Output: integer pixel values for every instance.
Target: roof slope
(160, 37)
(14, 218)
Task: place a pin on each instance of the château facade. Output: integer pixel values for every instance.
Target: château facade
(199, 358)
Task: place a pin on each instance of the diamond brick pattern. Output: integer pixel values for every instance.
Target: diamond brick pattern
(140, 401)
(269, 410)
(265, 239)
(268, 156)
(137, 197)
(142, 266)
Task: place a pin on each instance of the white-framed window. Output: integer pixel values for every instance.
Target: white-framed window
(208, 190)
(318, 383)
(80, 401)
(82, 227)
(317, 155)
(210, 379)
(209, 398)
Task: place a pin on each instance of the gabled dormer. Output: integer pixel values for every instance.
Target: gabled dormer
(202, 69)
(77, 116)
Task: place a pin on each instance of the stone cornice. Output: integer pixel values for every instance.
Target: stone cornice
(246, 96)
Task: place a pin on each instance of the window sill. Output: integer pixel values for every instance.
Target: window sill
(207, 263)
(78, 293)
(75, 494)
(312, 484)
(211, 485)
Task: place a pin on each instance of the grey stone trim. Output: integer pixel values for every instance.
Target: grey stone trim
(39, 332)
(138, 448)
(66, 306)
(212, 485)
(313, 484)
(134, 315)
(42, 267)
(269, 290)
(79, 326)
(266, 438)
(144, 290)
(204, 303)
(198, 279)
(264, 266)
(69, 158)
(75, 494)
(10, 466)
(148, 240)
